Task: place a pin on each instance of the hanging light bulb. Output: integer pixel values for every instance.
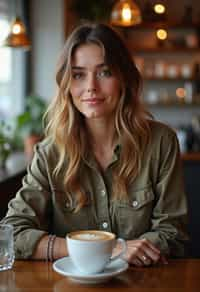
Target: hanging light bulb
(159, 8)
(17, 37)
(161, 34)
(125, 13)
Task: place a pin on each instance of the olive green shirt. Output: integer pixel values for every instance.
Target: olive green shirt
(156, 208)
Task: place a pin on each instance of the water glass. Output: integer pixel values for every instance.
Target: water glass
(7, 255)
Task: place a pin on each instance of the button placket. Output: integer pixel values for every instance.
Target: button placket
(102, 204)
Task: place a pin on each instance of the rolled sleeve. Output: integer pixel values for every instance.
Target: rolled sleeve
(169, 217)
(29, 211)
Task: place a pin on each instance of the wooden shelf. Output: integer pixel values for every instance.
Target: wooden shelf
(164, 24)
(163, 49)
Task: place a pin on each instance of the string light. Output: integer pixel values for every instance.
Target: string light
(159, 8)
(161, 34)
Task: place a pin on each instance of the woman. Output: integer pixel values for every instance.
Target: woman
(105, 164)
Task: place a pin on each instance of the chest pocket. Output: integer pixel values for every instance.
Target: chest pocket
(133, 217)
(64, 214)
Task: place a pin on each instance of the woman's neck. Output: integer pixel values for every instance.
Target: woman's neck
(103, 140)
(102, 135)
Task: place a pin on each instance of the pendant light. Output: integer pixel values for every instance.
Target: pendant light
(125, 13)
(17, 37)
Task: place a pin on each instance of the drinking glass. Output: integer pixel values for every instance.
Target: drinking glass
(7, 255)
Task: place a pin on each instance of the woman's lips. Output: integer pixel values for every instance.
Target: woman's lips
(93, 100)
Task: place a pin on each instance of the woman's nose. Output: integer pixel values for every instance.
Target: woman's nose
(91, 84)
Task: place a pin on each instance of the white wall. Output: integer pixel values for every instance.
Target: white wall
(47, 41)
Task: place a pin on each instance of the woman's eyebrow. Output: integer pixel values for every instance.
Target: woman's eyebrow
(84, 68)
(78, 68)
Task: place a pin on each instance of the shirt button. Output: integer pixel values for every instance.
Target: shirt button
(135, 204)
(105, 225)
(103, 193)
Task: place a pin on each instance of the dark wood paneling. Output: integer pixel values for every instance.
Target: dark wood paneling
(8, 188)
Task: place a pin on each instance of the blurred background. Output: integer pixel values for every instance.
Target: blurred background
(164, 44)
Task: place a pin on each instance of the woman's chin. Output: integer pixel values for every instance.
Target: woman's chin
(94, 115)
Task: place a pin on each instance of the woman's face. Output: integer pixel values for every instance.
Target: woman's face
(94, 88)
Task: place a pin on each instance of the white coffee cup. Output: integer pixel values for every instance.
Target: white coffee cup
(91, 250)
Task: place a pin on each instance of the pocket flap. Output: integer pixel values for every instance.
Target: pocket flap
(139, 198)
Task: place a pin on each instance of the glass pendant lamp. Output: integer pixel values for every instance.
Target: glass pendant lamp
(17, 37)
(126, 13)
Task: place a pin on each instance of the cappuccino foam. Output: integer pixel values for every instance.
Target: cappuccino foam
(91, 236)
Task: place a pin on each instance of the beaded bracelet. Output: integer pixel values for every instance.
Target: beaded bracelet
(50, 246)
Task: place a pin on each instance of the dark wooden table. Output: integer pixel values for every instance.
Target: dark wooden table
(178, 275)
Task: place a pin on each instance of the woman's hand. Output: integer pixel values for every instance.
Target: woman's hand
(142, 252)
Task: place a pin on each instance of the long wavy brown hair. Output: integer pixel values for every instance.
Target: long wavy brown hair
(65, 124)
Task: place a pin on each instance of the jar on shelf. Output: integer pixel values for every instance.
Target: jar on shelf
(152, 97)
(191, 40)
(159, 70)
(172, 71)
(188, 92)
(186, 71)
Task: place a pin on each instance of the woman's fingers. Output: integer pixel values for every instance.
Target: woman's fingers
(137, 262)
(142, 252)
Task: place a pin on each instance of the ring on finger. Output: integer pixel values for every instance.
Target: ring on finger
(144, 258)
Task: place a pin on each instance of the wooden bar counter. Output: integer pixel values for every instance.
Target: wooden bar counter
(179, 275)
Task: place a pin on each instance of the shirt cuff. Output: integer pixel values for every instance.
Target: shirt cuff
(26, 241)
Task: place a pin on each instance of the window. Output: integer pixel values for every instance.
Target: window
(12, 67)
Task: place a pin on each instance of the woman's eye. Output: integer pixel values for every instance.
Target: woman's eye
(77, 75)
(104, 73)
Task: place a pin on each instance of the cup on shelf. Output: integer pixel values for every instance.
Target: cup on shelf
(172, 71)
(191, 40)
(188, 92)
(159, 70)
(151, 96)
(186, 71)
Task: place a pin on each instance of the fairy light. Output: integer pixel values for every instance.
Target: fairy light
(161, 34)
(159, 8)
(180, 93)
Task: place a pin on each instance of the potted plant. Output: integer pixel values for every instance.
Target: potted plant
(9, 142)
(30, 123)
(4, 144)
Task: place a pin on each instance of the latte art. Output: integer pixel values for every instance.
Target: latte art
(91, 236)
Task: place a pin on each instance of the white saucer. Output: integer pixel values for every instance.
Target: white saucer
(64, 266)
